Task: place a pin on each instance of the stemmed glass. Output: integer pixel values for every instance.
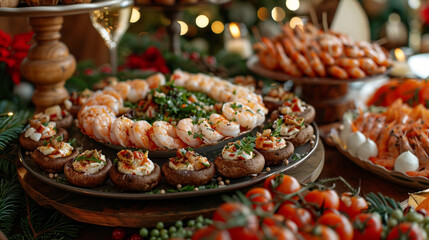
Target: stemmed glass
(112, 22)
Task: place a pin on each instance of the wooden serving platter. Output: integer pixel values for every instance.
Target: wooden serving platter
(142, 213)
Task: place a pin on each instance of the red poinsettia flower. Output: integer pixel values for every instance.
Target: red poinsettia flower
(13, 51)
(424, 13)
(150, 60)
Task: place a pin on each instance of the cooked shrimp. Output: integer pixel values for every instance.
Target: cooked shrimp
(288, 46)
(224, 126)
(367, 65)
(207, 85)
(356, 72)
(210, 135)
(122, 88)
(156, 80)
(267, 53)
(193, 83)
(87, 115)
(316, 63)
(179, 77)
(245, 116)
(120, 131)
(286, 63)
(164, 135)
(326, 58)
(102, 125)
(385, 162)
(114, 94)
(188, 132)
(139, 89)
(303, 64)
(104, 100)
(139, 135)
(337, 72)
(347, 62)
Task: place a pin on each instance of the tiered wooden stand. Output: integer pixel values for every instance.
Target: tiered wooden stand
(330, 97)
(49, 64)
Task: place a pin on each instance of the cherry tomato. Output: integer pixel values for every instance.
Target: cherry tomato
(260, 197)
(281, 183)
(367, 227)
(277, 232)
(323, 199)
(275, 219)
(210, 232)
(229, 212)
(405, 230)
(352, 205)
(300, 216)
(118, 234)
(339, 223)
(319, 232)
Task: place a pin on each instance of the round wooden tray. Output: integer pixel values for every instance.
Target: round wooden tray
(138, 213)
(109, 190)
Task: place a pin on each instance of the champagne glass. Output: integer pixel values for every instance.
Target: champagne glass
(111, 23)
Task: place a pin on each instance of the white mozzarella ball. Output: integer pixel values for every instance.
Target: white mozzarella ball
(367, 149)
(406, 162)
(354, 140)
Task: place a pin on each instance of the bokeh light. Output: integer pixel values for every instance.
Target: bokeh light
(278, 14)
(217, 27)
(263, 13)
(296, 21)
(292, 5)
(135, 15)
(183, 27)
(202, 21)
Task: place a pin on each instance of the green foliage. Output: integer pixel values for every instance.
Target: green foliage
(40, 224)
(381, 204)
(10, 202)
(11, 126)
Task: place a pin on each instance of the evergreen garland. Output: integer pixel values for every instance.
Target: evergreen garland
(35, 222)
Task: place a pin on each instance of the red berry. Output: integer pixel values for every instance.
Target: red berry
(118, 234)
(211, 60)
(136, 237)
(194, 56)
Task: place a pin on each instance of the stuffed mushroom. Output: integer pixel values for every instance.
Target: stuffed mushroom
(134, 171)
(188, 168)
(295, 107)
(38, 132)
(274, 148)
(89, 169)
(239, 159)
(53, 155)
(57, 114)
(294, 129)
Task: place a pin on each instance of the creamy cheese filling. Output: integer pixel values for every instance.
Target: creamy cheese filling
(230, 153)
(181, 166)
(289, 130)
(145, 168)
(87, 166)
(188, 160)
(42, 132)
(64, 150)
(269, 144)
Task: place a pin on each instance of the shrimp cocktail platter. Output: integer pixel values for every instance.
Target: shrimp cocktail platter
(149, 138)
(390, 141)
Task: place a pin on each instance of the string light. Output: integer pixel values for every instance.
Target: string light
(263, 13)
(292, 5)
(202, 21)
(9, 114)
(135, 15)
(217, 27)
(183, 27)
(278, 14)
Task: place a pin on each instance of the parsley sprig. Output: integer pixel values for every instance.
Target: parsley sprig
(85, 158)
(246, 145)
(276, 132)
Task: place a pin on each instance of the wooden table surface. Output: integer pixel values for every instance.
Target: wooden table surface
(335, 165)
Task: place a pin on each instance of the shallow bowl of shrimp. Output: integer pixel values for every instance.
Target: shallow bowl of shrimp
(391, 142)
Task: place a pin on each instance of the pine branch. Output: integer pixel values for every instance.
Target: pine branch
(10, 203)
(7, 158)
(10, 127)
(40, 223)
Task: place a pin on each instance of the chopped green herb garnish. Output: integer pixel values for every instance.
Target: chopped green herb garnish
(246, 145)
(84, 158)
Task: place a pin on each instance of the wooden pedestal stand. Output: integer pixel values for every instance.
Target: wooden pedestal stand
(173, 12)
(330, 97)
(49, 64)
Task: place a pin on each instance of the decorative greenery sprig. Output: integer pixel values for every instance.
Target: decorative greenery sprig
(11, 126)
(246, 145)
